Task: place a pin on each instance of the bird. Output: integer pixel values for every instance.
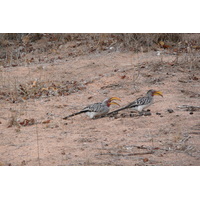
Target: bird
(97, 109)
(140, 103)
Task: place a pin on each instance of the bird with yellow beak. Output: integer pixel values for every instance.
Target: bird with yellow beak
(141, 103)
(97, 109)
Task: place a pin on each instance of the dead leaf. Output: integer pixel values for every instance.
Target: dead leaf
(46, 122)
(161, 43)
(196, 47)
(26, 39)
(194, 78)
(27, 122)
(24, 98)
(145, 160)
(44, 89)
(166, 46)
(123, 77)
(53, 88)
(23, 163)
(34, 83)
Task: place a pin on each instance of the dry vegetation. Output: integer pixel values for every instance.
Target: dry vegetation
(45, 77)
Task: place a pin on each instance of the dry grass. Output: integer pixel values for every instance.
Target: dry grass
(107, 39)
(19, 49)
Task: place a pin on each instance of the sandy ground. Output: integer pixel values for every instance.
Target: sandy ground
(162, 138)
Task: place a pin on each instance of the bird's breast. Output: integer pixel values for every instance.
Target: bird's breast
(98, 113)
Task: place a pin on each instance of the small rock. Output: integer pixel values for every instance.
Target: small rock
(170, 110)
(113, 116)
(141, 113)
(23, 163)
(123, 115)
(158, 113)
(147, 114)
(132, 115)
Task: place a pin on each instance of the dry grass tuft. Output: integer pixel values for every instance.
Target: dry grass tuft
(39, 89)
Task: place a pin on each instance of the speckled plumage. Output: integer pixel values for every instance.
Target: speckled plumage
(140, 103)
(96, 109)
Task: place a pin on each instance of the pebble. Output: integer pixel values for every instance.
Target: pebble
(170, 110)
(123, 115)
(147, 114)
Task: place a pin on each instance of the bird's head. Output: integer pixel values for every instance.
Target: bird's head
(154, 92)
(109, 101)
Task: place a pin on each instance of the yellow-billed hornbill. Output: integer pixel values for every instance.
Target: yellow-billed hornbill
(140, 103)
(97, 109)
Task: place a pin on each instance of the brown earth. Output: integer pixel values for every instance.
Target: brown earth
(36, 96)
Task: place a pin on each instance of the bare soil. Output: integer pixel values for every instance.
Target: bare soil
(37, 93)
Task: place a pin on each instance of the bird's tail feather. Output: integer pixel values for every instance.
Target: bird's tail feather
(115, 111)
(82, 111)
(131, 105)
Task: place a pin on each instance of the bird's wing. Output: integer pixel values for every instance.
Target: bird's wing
(137, 102)
(96, 107)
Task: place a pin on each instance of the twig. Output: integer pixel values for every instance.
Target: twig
(148, 148)
(128, 154)
(189, 108)
(185, 139)
(195, 133)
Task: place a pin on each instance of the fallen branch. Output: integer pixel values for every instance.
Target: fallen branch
(128, 154)
(195, 133)
(189, 108)
(147, 147)
(185, 139)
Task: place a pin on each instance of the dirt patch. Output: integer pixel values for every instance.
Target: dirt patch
(35, 98)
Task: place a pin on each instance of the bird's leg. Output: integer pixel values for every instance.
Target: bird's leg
(141, 113)
(145, 112)
(111, 114)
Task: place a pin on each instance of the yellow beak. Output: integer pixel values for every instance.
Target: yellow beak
(158, 93)
(114, 98)
(114, 103)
